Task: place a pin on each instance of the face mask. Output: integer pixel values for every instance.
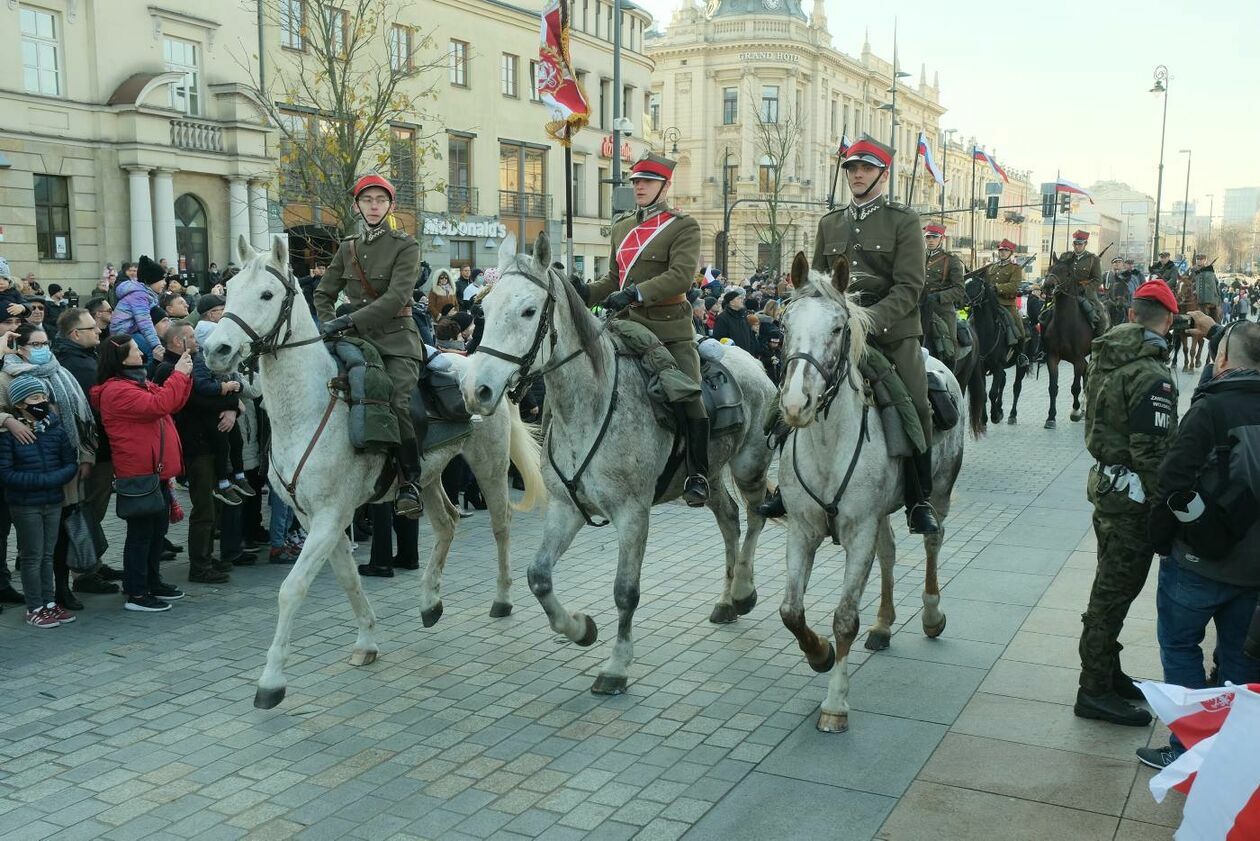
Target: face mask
(39, 411)
(40, 355)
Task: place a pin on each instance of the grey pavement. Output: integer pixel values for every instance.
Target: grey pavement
(129, 726)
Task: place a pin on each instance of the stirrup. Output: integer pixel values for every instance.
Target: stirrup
(772, 506)
(408, 503)
(926, 517)
(696, 490)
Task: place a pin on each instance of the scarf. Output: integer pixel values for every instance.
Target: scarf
(66, 395)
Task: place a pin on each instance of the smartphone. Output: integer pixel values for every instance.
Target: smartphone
(1182, 322)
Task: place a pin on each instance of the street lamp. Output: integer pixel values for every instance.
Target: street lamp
(892, 109)
(1160, 86)
(1185, 202)
(670, 135)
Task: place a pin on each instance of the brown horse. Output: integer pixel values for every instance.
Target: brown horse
(1067, 337)
(1187, 301)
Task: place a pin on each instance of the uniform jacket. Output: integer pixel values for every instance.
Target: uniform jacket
(391, 263)
(662, 274)
(943, 278)
(1006, 278)
(1085, 271)
(33, 474)
(1167, 272)
(1131, 402)
(137, 418)
(1206, 286)
(883, 243)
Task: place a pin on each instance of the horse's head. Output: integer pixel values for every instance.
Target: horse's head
(824, 338)
(259, 299)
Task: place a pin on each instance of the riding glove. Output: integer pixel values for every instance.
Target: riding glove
(337, 326)
(628, 295)
(582, 289)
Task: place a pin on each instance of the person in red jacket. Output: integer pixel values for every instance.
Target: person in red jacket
(136, 415)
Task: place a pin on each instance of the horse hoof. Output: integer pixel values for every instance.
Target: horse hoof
(877, 640)
(997, 416)
(723, 614)
(431, 616)
(1012, 420)
(1050, 424)
(500, 609)
(609, 685)
(829, 663)
(934, 631)
(745, 605)
(1075, 417)
(363, 658)
(592, 633)
(265, 699)
(833, 722)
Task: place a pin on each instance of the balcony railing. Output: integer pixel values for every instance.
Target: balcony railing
(196, 135)
(461, 200)
(530, 205)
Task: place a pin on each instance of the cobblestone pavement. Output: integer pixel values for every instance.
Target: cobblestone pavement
(128, 726)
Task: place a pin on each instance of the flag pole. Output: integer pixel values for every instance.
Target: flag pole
(914, 170)
(973, 204)
(570, 266)
(944, 172)
(835, 176)
(1054, 215)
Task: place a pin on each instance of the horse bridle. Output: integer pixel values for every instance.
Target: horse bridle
(832, 378)
(270, 343)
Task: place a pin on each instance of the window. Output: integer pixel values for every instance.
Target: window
(402, 164)
(462, 252)
(181, 57)
(767, 175)
(586, 13)
(654, 110)
(400, 48)
(605, 93)
(730, 106)
(533, 82)
(507, 75)
(459, 175)
(292, 19)
(605, 193)
(41, 72)
(459, 64)
(769, 104)
(52, 217)
(598, 7)
(731, 175)
(835, 116)
(579, 189)
(522, 180)
(626, 96)
(338, 23)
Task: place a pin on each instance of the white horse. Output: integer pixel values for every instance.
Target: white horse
(605, 448)
(314, 468)
(836, 456)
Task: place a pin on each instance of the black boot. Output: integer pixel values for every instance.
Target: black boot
(918, 475)
(1111, 708)
(696, 488)
(1021, 355)
(408, 503)
(772, 505)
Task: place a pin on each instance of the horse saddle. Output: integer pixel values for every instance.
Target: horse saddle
(723, 399)
(437, 409)
(965, 339)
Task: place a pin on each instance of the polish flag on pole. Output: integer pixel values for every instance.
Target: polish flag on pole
(845, 143)
(984, 157)
(928, 162)
(1065, 186)
(557, 84)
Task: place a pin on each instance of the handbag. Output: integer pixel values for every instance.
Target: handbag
(81, 548)
(141, 496)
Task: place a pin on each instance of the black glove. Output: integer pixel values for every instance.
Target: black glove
(617, 301)
(934, 297)
(582, 289)
(337, 326)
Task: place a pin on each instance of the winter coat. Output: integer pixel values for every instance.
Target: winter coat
(198, 420)
(81, 363)
(33, 474)
(137, 417)
(131, 314)
(733, 325)
(13, 296)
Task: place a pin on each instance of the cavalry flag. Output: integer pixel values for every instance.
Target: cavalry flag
(928, 162)
(557, 83)
(1062, 185)
(983, 157)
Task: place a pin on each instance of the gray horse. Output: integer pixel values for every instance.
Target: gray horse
(604, 447)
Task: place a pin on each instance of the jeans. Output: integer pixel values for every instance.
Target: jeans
(6, 523)
(281, 518)
(37, 527)
(1186, 602)
(142, 550)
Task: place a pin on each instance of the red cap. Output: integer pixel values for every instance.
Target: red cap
(1157, 291)
(934, 230)
(1007, 245)
(373, 181)
(653, 168)
(1081, 236)
(868, 150)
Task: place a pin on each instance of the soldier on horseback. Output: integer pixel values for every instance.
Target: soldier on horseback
(1082, 271)
(1206, 287)
(655, 253)
(943, 294)
(1005, 276)
(377, 270)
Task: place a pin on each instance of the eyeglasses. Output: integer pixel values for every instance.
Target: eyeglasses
(374, 200)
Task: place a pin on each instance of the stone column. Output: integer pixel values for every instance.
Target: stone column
(238, 214)
(259, 235)
(141, 211)
(164, 216)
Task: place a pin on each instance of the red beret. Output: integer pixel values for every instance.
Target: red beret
(1157, 291)
(934, 230)
(1083, 236)
(1007, 245)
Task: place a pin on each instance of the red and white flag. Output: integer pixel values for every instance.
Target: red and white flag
(985, 157)
(1062, 185)
(845, 143)
(557, 83)
(929, 163)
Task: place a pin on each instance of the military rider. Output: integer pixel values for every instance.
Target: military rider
(655, 255)
(1085, 276)
(1166, 269)
(377, 270)
(1006, 275)
(944, 293)
(1206, 287)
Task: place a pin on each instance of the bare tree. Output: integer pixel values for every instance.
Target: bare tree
(1233, 246)
(347, 96)
(777, 137)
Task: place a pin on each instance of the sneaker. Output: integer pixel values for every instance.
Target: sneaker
(243, 487)
(228, 495)
(146, 604)
(41, 618)
(1157, 758)
(93, 582)
(59, 613)
(245, 559)
(166, 592)
(281, 556)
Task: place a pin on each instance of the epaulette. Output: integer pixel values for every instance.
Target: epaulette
(629, 214)
(896, 205)
(399, 234)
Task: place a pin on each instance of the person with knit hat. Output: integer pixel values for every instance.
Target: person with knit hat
(731, 324)
(32, 473)
(209, 311)
(136, 299)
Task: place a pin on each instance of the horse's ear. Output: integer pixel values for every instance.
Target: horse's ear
(507, 250)
(244, 251)
(280, 251)
(542, 249)
(1053, 258)
(840, 275)
(800, 271)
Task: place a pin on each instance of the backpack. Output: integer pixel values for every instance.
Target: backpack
(1225, 502)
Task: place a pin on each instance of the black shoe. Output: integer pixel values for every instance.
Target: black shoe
(922, 519)
(146, 604)
(245, 559)
(1123, 686)
(166, 592)
(772, 506)
(376, 570)
(243, 487)
(412, 564)
(167, 555)
(696, 488)
(696, 491)
(219, 566)
(108, 573)
(10, 596)
(1157, 758)
(260, 536)
(92, 582)
(209, 576)
(1110, 708)
(252, 545)
(171, 547)
(68, 601)
(228, 496)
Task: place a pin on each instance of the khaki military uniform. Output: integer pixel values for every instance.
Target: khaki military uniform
(883, 242)
(1208, 290)
(1006, 276)
(662, 273)
(945, 293)
(381, 312)
(1085, 272)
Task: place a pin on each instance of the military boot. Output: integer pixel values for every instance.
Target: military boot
(918, 481)
(1111, 708)
(696, 488)
(408, 503)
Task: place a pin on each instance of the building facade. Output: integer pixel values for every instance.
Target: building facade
(1136, 212)
(1241, 205)
(972, 235)
(127, 129)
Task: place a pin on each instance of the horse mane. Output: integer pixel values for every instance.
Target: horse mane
(585, 324)
(861, 319)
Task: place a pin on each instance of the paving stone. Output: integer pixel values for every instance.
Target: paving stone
(755, 809)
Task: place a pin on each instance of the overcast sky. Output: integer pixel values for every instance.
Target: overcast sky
(1065, 84)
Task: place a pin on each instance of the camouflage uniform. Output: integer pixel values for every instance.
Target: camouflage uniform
(1130, 421)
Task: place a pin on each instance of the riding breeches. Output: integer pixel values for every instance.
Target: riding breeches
(404, 373)
(907, 357)
(688, 360)
(1017, 321)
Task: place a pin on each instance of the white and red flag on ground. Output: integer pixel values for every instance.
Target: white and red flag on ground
(557, 83)
(928, 161)
(1220, 771)
(984, 157)
(1062, 185)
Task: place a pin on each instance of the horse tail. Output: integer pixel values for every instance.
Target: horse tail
(975, 400)
(526, 453)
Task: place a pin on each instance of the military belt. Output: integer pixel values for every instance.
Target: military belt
(676, 299)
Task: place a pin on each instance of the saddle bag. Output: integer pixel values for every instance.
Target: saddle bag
(373, 425)
(944, 410)
(903, 434)
(444, 399)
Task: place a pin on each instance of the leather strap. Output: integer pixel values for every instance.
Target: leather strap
(358, 267)
(291, 487)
